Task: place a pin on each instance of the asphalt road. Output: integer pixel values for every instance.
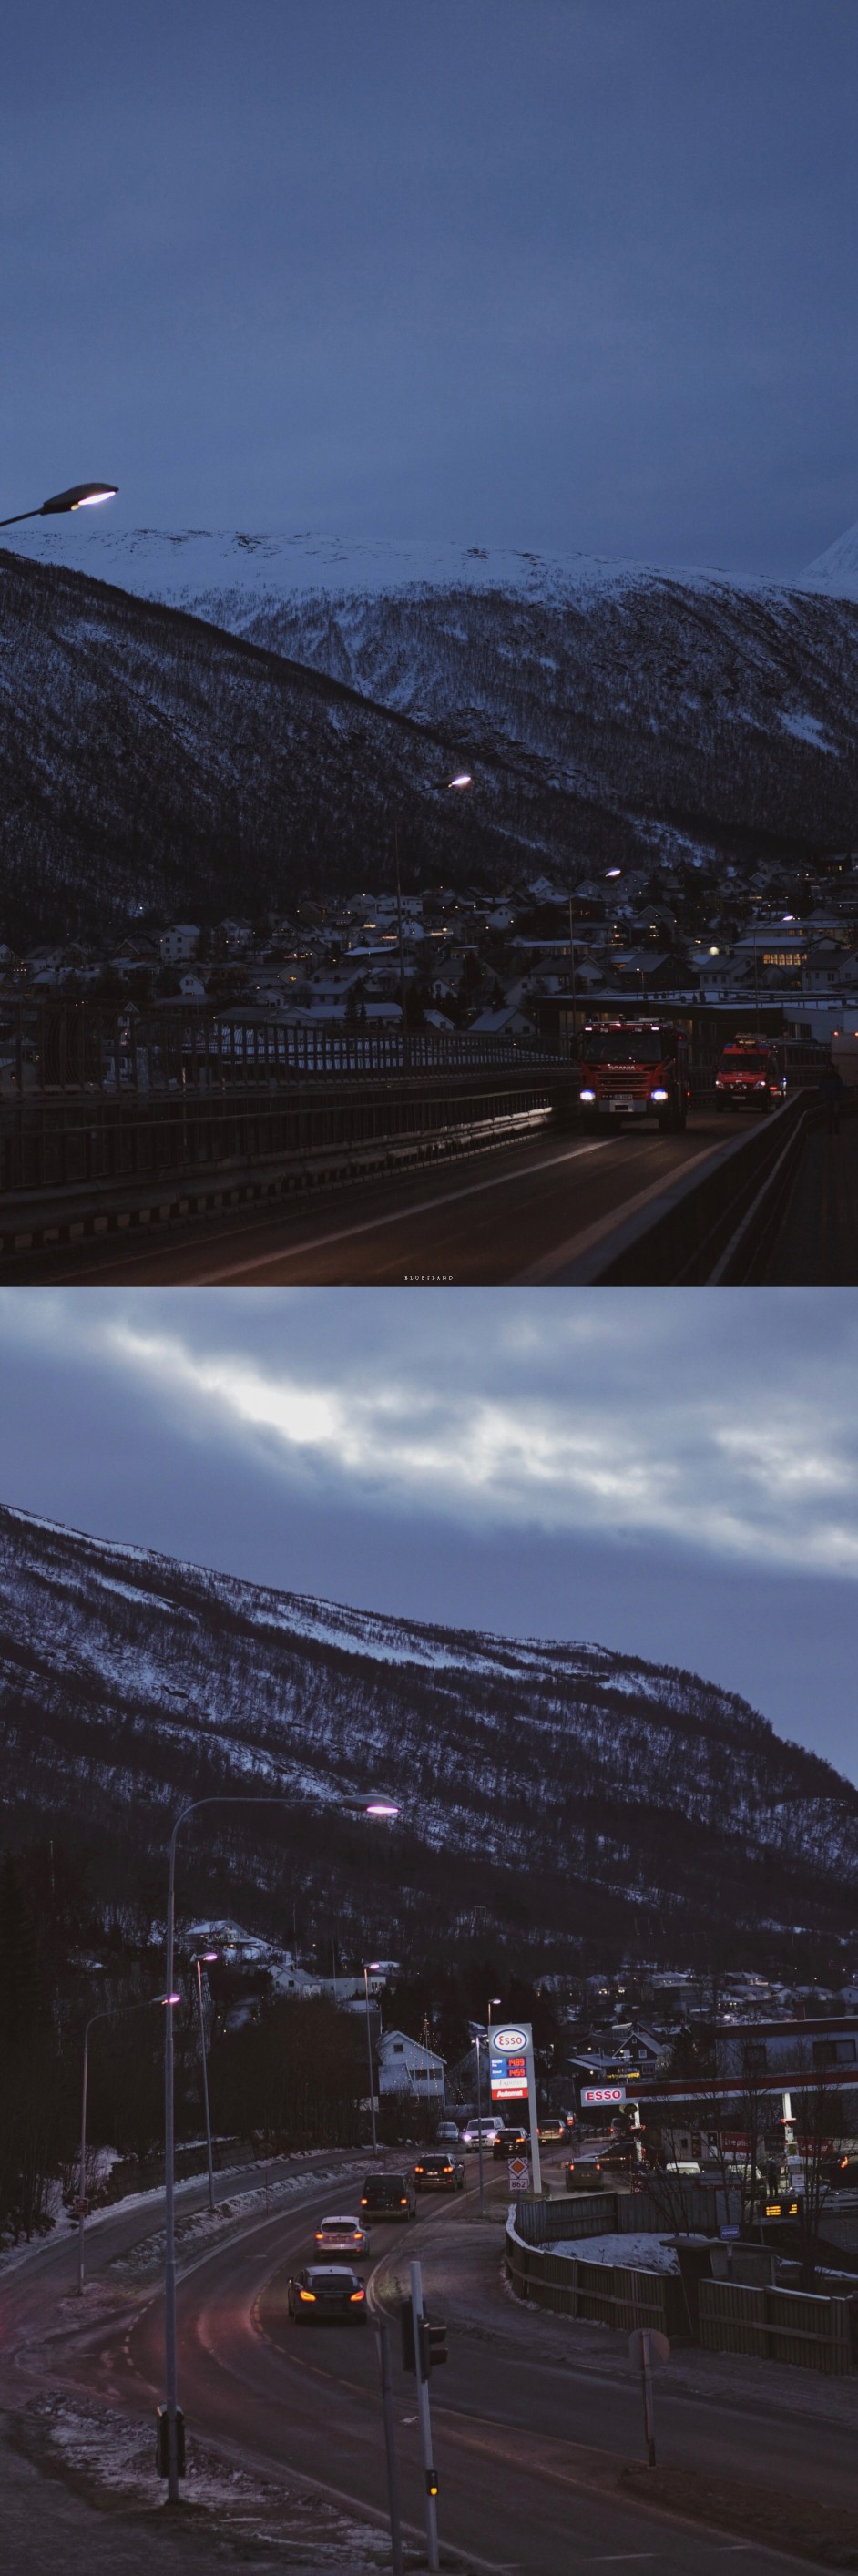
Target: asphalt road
(527, 2447)
(512, 1216)
(817, 1246)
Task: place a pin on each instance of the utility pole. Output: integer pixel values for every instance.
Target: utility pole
(383, 2339)
(420, 2340)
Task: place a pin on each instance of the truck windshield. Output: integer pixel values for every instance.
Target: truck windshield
(742, 1060)
(615, 1046)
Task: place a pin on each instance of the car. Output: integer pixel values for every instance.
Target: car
(510, 2142)
(326, 2294)
(584, 2173)
(619, 2156)
(342, 2236)
(551, 2133)
(439, 2172)
(389, 2195)
(447, 2133)
(471, 2133)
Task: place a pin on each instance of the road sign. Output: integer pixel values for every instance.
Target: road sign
(648, 2349)
(659, 2347)
(513, 2076)
(594, 2096)
(518, 2170)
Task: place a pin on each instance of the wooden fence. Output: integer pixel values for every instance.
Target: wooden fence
(797, 2326)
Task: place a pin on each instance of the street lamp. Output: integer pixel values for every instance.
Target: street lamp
(205, 1959)
(383, 1808)
(368, 1965)
(80, 496)
(109, 2013)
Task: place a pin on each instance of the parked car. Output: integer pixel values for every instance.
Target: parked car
(342, 2236)
(326, 2294)
(440, 2172)
(584, 2173)
(510, 2142)
(471, 2133)
(389, 2195)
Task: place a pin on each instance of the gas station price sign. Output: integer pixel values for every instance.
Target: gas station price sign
(509, 2050)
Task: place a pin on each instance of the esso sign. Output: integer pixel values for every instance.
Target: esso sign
(593, 2094)
(509, 2043)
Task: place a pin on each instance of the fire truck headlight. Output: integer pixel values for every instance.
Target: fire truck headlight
(661, 1094)
(587, 1095)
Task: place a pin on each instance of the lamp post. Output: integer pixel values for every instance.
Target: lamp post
(205, 1959)
(368, 1964)
(381, 1808)
(462, 779)
(79, 497)
(109, 2013)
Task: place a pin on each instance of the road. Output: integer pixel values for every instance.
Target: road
(529, 2438)
(515, 1216)
(817, 1245)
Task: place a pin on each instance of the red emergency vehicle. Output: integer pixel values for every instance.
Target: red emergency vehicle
(634, 1069)
(751, 1074)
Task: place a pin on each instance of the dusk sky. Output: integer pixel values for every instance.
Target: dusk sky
(553, 274)
(668, 1472)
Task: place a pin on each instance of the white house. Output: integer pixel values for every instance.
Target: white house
(405, 2066)
(179, 943)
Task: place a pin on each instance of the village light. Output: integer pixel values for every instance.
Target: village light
(80, 496)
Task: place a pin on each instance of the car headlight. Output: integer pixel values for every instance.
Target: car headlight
(586, 1095)
(659, 1095)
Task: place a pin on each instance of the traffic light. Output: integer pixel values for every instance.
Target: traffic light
(162, 2451)
(433, 2347)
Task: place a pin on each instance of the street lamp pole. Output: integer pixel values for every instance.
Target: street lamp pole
(369, 1807)
(206, 1958)
(373, 1963)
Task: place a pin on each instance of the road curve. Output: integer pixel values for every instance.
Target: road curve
(528, 2453)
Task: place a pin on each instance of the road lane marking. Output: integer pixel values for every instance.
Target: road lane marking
(400, 1216)
(542, 1273)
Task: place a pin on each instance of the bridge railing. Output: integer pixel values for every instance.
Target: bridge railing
(61, 1046)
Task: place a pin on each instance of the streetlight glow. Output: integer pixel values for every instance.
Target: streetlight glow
(462, 779)
(380, 1807)
(78, 497)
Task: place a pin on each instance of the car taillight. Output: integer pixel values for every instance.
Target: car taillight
(404, 2202)
(308, 2294)
(448, 2168)
(353, 2295)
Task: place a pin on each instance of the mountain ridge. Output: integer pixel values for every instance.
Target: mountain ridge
(559, 1787)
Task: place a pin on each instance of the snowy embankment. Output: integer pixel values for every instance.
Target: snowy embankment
(639, 2253)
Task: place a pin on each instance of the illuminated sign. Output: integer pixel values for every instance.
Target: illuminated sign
(510, 2060)
(593, 2094)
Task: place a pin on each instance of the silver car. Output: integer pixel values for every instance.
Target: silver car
(342, 2236)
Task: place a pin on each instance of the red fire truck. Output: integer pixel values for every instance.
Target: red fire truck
(634, 1069)
(751, 1074)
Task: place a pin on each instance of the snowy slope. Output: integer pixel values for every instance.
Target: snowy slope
(836, 571)
(546, 1779)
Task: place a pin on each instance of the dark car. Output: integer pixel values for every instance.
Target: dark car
(439, 2173)
(326, 2294)
(584, 2174)
(620, 2156)
(511, 2142)
(389, 2195)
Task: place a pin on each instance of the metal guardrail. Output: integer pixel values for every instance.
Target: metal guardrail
(706, 1228)
(60, 1047)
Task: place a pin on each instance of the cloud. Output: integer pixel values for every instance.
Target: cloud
(723, 1425)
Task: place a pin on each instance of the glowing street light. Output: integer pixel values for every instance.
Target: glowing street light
(462, 779)
(80, 496)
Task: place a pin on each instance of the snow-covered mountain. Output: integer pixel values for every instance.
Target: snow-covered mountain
(250, 741)
(542, 1787)
(835, 573)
